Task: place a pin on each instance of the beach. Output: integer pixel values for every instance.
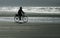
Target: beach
(29, 30)
(42, 22)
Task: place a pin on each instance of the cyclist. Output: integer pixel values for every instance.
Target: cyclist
(20, 13)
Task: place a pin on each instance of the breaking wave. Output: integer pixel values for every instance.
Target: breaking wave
(32, 9)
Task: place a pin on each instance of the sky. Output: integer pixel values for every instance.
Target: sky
(29, 2)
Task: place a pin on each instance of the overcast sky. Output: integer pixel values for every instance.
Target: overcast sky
(29, 2)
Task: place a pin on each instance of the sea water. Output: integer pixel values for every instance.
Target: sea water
(34, 19)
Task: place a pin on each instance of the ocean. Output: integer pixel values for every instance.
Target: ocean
(55, 10)
(5, 11)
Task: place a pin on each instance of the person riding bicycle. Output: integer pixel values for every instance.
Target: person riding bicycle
(20, 13)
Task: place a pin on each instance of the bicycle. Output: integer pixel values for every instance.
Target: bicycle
(24, 19)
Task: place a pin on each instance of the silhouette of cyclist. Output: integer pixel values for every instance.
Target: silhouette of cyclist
(20, 13)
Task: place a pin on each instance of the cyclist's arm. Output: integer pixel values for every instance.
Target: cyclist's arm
(23, 12)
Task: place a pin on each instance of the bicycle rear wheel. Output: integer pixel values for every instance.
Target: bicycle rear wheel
(16, 19)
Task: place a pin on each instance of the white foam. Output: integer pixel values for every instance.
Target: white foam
(34, 19)
(32, 9)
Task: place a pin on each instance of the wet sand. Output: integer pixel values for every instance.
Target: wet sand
(29, 30)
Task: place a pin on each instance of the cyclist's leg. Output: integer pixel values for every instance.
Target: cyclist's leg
(19, 17)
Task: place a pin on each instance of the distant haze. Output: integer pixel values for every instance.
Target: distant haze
(29, 2)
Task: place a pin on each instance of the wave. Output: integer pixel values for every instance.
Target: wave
(32, 9)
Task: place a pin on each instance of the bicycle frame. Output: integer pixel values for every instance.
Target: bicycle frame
(24, 18)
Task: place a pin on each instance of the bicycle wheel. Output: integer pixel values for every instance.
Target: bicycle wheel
(25, 19)
(16, 19)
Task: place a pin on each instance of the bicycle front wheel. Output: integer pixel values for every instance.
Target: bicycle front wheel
(25, 19)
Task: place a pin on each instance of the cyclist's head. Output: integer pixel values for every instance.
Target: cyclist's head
(20, 8)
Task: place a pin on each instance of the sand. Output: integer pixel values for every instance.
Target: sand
(29, 30)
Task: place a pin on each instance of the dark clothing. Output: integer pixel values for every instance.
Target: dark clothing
(20, 13)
